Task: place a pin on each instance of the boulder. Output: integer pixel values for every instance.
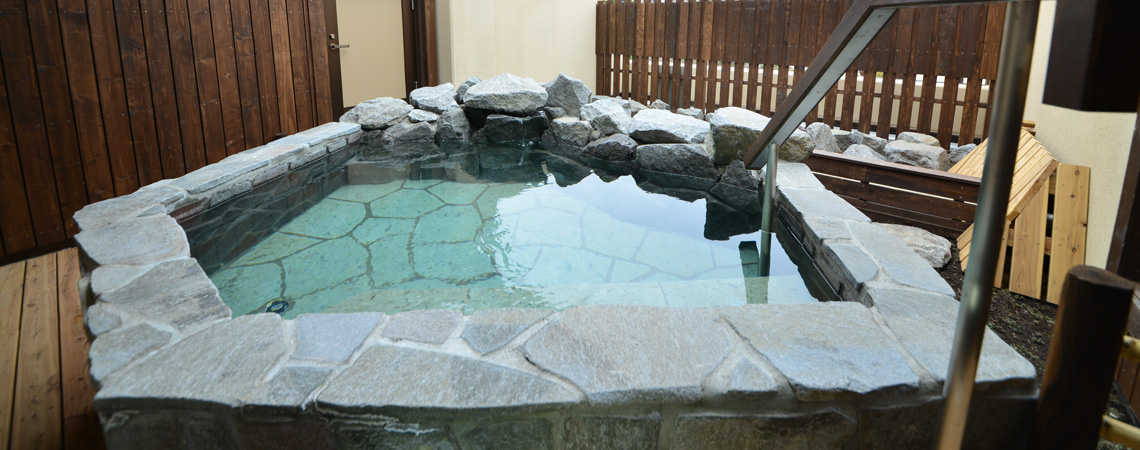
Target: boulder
(406, 132)
(463, 87)
(378, 113)
(571, 131)
(508, 94)
(919, 138)
(607, 116)
(567, 93)
(657, 126)
(695, 113)
(635, 106)
(419, 115)
(733, 130)
(679, 165)
(797, 148)
(821, 135)
(918, 155)
(862, 151)
(933, 248)
(510, 129)
(958, 153)
(659, 104)
(876, 143)
(453, 125)
(738, 188)
(618, 147)
(845, 139)
(553, 112)
(436, 99)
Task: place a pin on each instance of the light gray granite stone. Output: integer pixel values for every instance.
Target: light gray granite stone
(146, 201)
(571, 131)
(924, 323)
(738, 187)
(828, 429)
(490, 330)
(863, 151)
(222, 195)
(816, 203)
(424, 380)
(918, 155)
(752, 382)
(695, 113)
(465, 85)
(796, 148)
(289, 389)
(876, 143)
(140, 241)
(277, 154)
(221, 364)
(453, 126)
(662, 162)
(898, 261)
(507, 94)
(845, 139)
(618, 147)
(325, 134)
(794, 175)
(108, 278)
(436, 99)
(378, 113)
(821, 135)
(219, 173)
(659, 104)
(419, 115)
(995, 423)
(658, 126)
(332, 337)
(518, 434)
(100, 320)
(429, 326)
(177, 292)
(809, 344)
(919, 138)
(624, 354)
(820, 229)
(611, 432)
(846, 267)
(960, 152)
(405, 132)
(114, 350)
(607, 116)
(568, 93)
(933, 248)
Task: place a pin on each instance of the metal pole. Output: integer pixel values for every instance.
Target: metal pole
(768, 211)
(989, 220)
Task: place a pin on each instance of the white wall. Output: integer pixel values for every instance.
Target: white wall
(1098, 140)
(529, 38)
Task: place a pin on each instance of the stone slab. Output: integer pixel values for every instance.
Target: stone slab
(332, 337)
(751, 381)
(898, 261)
(847, 267)
(177, 292)
(424, 380)
(222, 172)
(794, 175)
(289, 389)
(828, 429)
(487, 331)
(220, 365)
(428, 326)
(100, 320)
(631, 354)
(114, 350)
(145, 240)
(815, 203)
(827, 351)
(146, 201)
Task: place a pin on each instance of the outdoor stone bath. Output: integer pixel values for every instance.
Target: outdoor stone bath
(175, 369)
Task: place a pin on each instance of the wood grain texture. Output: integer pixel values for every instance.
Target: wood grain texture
(162, 88)
(85, 99)
(80, 419)
(1070, 226)
(36, 418)
(1028, 258)
(16, 229)
(11, 305)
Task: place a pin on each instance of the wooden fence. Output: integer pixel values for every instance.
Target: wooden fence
(100, 97)
(940, 202)
(748, 53)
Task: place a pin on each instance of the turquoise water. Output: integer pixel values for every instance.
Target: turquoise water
(431, 244)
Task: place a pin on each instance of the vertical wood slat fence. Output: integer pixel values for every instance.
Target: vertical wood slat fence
(748, 53)
(100, 97)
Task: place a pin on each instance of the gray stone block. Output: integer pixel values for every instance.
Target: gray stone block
(332, 337)
(108, 278)
(659, 126)
(571, 131)
(607, 116)
(508, 94)
(618, 147)
(217, 174)
(991, 423)
(863, 151)
(177, 292)
(421, 380)
(820, 230)
(378, 113)
(277, 154)
(795, 175)
(568, 93)
(924, 323)
(847, 267)
(436, 99)
(224, 194)
(145, 240)
(100, 320)
(809, 344)
(919, 138)
(845, 139)
(919, 155)
(677, 159)
(147, 201)
(396, 437)
(624, 354)
(429, 326)
(898, 261)
(490, 330)
(114, 350)
(828, 429)
(752, 382)
(522, 434)
(822, 138)
(817, 204)
(611, 432)
(933, 248)
(733, 130)
(221, 364)
(288, 391)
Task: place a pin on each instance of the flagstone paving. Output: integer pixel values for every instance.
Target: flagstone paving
(431, 244)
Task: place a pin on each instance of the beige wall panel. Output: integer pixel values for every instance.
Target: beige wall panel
(374, 64)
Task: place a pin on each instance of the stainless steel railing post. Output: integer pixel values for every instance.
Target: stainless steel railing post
(989, 220)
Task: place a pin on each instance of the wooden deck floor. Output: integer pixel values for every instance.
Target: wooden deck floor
(45, 391)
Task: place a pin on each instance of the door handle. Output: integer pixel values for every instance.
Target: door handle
(338, 46)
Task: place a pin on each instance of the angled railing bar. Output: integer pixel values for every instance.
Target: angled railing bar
(858, 27)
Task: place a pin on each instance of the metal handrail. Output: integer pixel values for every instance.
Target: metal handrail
(859, 26)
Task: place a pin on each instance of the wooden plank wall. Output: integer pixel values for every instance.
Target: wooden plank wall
(100, 97)
(940, 202)
(748, 53)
